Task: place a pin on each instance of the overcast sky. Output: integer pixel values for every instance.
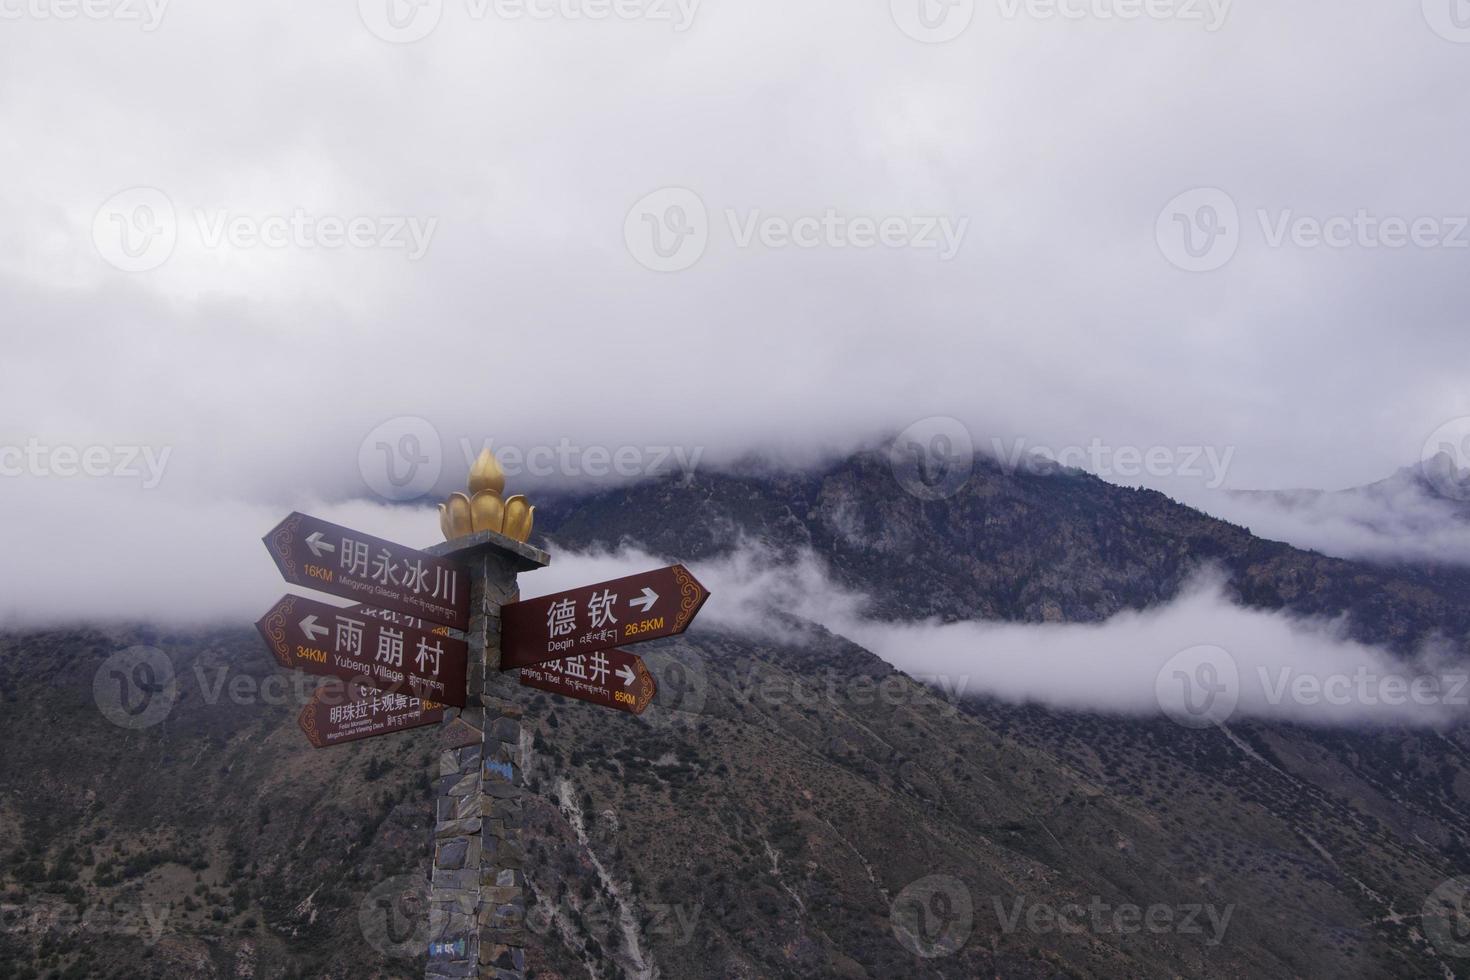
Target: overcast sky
(253, 239)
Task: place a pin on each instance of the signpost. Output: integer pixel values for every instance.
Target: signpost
(612, 678)
(411, 635)
(329, 720)
(315, 554)
(326, 641)
(642, 607)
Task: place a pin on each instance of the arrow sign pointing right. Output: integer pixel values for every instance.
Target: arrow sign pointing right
(594, 677)
(596, 617)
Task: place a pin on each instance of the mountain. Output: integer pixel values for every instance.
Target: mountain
(792, 807)
(1419, 515)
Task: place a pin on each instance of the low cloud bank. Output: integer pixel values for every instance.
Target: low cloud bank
(1199, 659)
(1397, 521)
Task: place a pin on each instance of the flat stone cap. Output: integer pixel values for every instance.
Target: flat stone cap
(523, 556)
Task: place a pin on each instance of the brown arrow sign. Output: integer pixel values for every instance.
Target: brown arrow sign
(315, 554)
(612, 678)
(326, 641)
(599, 617)
(332, 717)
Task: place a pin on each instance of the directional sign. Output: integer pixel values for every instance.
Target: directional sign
(612, 678)
(317, 555)
(326, 641)
(333, 716)
(599, 617)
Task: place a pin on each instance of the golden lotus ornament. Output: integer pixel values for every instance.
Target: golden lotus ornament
(483, 508)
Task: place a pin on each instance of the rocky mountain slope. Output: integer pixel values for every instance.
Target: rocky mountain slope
(788, 809)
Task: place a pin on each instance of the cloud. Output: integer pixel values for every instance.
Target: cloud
(1267, 665)
(1399, 520)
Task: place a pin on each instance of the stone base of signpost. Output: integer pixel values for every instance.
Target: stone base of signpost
(477, 901)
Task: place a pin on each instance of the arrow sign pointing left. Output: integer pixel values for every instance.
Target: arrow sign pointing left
(370, 570)
(325, 641)
(310, 627)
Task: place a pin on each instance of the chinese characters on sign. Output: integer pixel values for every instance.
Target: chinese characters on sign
(598, 617)
(350, 644)
(612, 678)
(329, 720)
(318, 555)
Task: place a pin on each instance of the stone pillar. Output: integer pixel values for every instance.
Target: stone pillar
(477, 904)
